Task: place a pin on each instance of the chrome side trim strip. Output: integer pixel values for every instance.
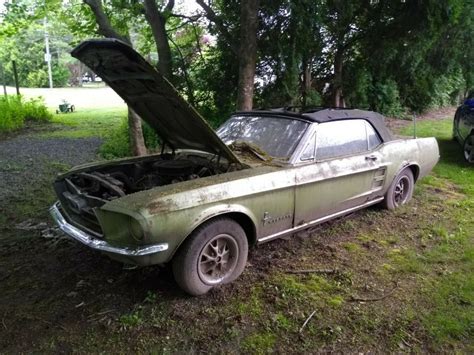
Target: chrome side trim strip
(317, 221)
(98, 244)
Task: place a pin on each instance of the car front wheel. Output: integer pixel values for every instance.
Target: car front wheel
(401, 190)
(215, 254)
(469, 148)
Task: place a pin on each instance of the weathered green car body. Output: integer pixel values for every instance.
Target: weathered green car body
(269, 201)
(140, 211)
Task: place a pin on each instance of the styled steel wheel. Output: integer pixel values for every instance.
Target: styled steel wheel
(218, 259)
(469, 149)
(214, 254)
(400, 191)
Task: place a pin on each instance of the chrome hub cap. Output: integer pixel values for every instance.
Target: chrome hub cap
(218, 259)
(401, 191)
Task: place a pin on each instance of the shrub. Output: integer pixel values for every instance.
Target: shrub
(14, 110)
(117, 145)
(385, 98)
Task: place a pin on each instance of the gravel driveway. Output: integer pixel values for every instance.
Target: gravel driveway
(26, 160)
(28, 166)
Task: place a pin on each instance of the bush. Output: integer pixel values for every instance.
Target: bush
(385, 98)
(117, 145)
(14, 111)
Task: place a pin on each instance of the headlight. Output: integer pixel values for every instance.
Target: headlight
(135, 229)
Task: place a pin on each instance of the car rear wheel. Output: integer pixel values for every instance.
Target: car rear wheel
(401, 190)
(215, 254)
(469, 148)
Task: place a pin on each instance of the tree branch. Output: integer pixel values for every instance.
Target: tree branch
(157, 21)
(193, 18)
(361, 299)
(105, 28)
(169, 6)
(213, 17)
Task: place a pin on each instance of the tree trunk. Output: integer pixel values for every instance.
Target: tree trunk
(337, 94)
(157, 21)
(306, 81)
(134, 122)
(247, 53)
(137, 143)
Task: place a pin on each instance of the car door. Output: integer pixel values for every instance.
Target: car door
(345, 172)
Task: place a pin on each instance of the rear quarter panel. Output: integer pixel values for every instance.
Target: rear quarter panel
(423, 153)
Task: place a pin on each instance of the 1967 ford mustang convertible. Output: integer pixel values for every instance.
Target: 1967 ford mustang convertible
(209, 195)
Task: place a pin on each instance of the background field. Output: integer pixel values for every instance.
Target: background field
(97, 96)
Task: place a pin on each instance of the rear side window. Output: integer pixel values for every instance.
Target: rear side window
(346, 137)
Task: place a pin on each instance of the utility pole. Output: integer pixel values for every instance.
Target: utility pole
(47, 55)
(15, 75)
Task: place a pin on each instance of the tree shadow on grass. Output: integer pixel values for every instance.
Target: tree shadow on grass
(451, 152)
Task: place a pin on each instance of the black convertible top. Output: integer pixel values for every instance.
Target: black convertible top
(321, 115)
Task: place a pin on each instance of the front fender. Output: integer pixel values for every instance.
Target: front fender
(174, 227)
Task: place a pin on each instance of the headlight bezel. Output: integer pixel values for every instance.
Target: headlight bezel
(136, 230)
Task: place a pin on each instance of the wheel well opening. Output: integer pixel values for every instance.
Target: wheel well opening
(415, 170)
(246, 223)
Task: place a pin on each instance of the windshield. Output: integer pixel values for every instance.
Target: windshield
(277, 136)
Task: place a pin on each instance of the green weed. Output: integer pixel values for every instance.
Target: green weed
(260, 343)
(15, 110)
(132, 319)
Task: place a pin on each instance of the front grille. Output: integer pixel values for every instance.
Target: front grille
(88, 225)
(78, 208)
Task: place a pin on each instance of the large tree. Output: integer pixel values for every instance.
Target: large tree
(105, 28)
(246, 51)
(156, 18)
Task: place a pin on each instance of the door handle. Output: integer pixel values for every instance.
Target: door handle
(371, 157)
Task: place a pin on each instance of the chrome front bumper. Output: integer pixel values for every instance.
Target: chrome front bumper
(99, 244)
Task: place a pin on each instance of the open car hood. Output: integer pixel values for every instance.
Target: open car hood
(151, 96)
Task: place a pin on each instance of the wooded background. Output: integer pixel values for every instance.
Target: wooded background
(391, 56)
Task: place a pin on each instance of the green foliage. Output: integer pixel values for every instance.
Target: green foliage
(117, 143)
(27, 48)
(132, 319)
(14, 111)
(385, 98)
(60, 75)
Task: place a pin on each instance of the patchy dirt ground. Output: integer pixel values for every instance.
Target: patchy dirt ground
(353, 285)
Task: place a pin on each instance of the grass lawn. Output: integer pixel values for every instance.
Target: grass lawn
(449, 265)
(91, 122)
(89, 96)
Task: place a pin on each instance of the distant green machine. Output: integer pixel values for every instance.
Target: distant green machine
(65, 107)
